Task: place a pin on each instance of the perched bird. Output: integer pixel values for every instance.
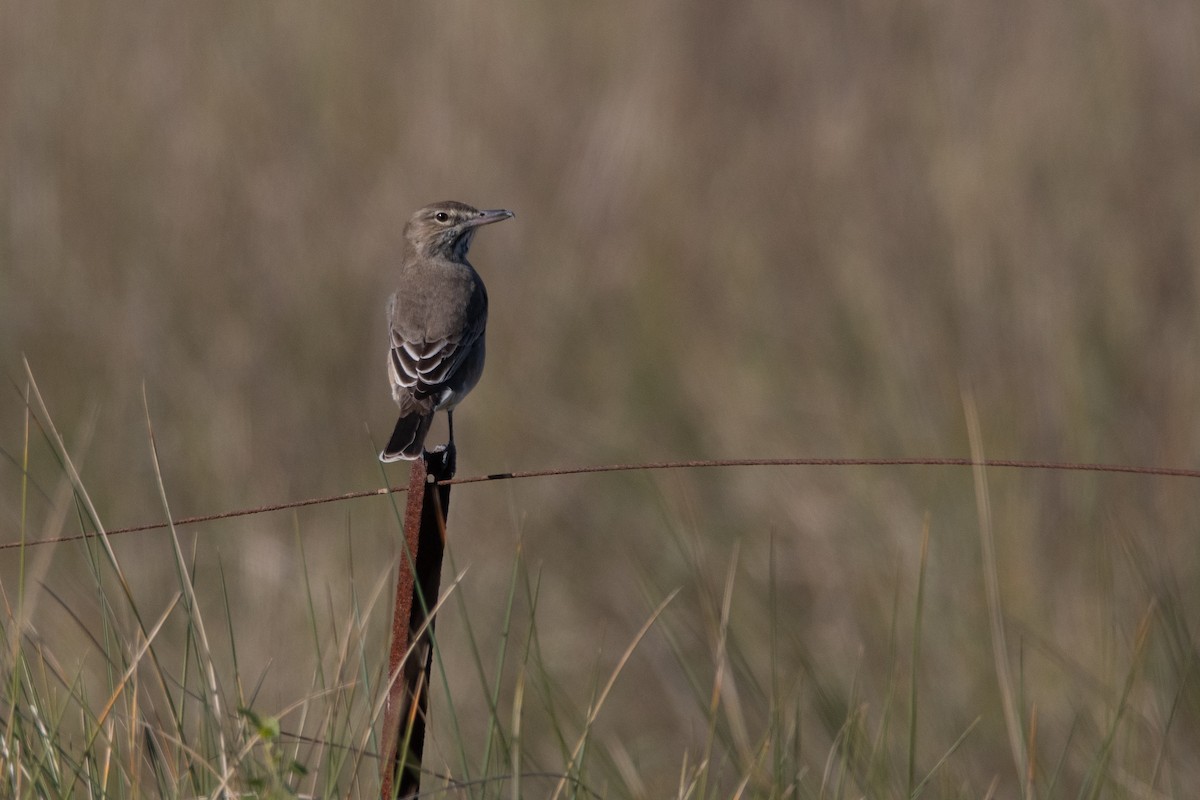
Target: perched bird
(436, 322)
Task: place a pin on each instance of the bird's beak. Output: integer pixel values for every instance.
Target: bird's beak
(488, 217)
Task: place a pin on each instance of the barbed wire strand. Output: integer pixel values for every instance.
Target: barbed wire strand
(1053, 466)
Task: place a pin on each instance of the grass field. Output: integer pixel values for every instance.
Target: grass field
(854, 229)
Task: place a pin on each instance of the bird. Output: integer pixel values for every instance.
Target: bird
(436, 322)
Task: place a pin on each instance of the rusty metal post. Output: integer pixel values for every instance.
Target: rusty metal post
(417, 584)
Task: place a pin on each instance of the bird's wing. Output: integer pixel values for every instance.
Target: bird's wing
(423, 368)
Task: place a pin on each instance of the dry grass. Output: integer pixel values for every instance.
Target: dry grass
(758, 229)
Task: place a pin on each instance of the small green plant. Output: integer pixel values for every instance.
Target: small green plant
(273, 774)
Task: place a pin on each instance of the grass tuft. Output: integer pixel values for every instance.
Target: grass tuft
(115, 689)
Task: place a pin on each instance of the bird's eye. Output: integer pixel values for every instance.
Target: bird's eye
(442, 216)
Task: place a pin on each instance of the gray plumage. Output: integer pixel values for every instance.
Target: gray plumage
(436, 322)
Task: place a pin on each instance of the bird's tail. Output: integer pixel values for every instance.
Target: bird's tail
(408, 438)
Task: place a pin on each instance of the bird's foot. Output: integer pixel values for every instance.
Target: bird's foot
(442, 461)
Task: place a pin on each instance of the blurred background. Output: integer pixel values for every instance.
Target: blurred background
(762, 229)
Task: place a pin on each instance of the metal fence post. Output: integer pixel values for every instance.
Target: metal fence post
(417, 584)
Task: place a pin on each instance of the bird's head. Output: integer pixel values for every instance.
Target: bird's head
(445, 229)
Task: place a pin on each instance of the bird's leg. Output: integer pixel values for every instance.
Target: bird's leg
(445, 454)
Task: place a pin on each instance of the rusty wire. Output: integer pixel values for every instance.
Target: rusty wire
(1056, 466)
